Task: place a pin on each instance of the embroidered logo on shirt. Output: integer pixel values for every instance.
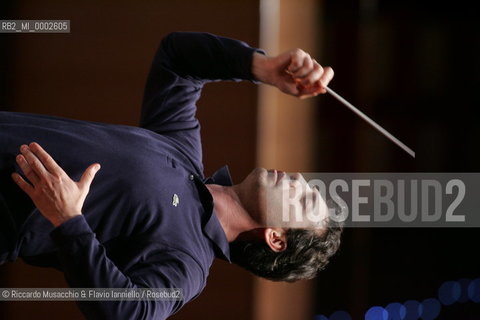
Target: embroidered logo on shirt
(175, 200)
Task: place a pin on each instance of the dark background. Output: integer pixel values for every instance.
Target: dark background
(413, 66)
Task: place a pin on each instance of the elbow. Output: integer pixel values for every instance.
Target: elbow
(170, 39)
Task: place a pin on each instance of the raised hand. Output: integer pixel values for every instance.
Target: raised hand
(293, 72)
(58, 197)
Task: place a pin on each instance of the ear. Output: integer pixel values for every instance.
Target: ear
(276, 239)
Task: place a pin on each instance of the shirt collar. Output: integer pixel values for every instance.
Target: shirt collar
(212, 227)
(221, 177)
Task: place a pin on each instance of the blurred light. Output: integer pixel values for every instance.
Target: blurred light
(413, 310)
(430, 309)
(340, 315)
(449, 292)
(376, 313)
(396, 311)
(474, 290)
(464, 284)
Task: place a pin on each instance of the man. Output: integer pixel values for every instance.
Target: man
(150, 219)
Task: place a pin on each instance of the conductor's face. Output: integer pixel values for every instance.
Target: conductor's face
(280, 200)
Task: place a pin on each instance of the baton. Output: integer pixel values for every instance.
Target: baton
(371, 122)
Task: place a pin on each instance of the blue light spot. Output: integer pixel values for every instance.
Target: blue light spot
(340, 315)
(413, 310)
(320, 317)
(396, 311)
(430, 309)
(464, 284)
(449, 292)
(376, 313)
(474, 290)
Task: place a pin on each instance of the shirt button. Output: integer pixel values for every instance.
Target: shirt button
(191, 177)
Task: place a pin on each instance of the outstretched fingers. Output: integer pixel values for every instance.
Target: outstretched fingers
(24, 185)
(31, 162)
(88, 176)
(36, 164)
(45, 159)
(27, 169)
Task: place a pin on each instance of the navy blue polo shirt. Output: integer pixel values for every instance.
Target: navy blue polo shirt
(148, 220)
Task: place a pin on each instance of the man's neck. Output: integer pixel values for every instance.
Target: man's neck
(233, 218)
